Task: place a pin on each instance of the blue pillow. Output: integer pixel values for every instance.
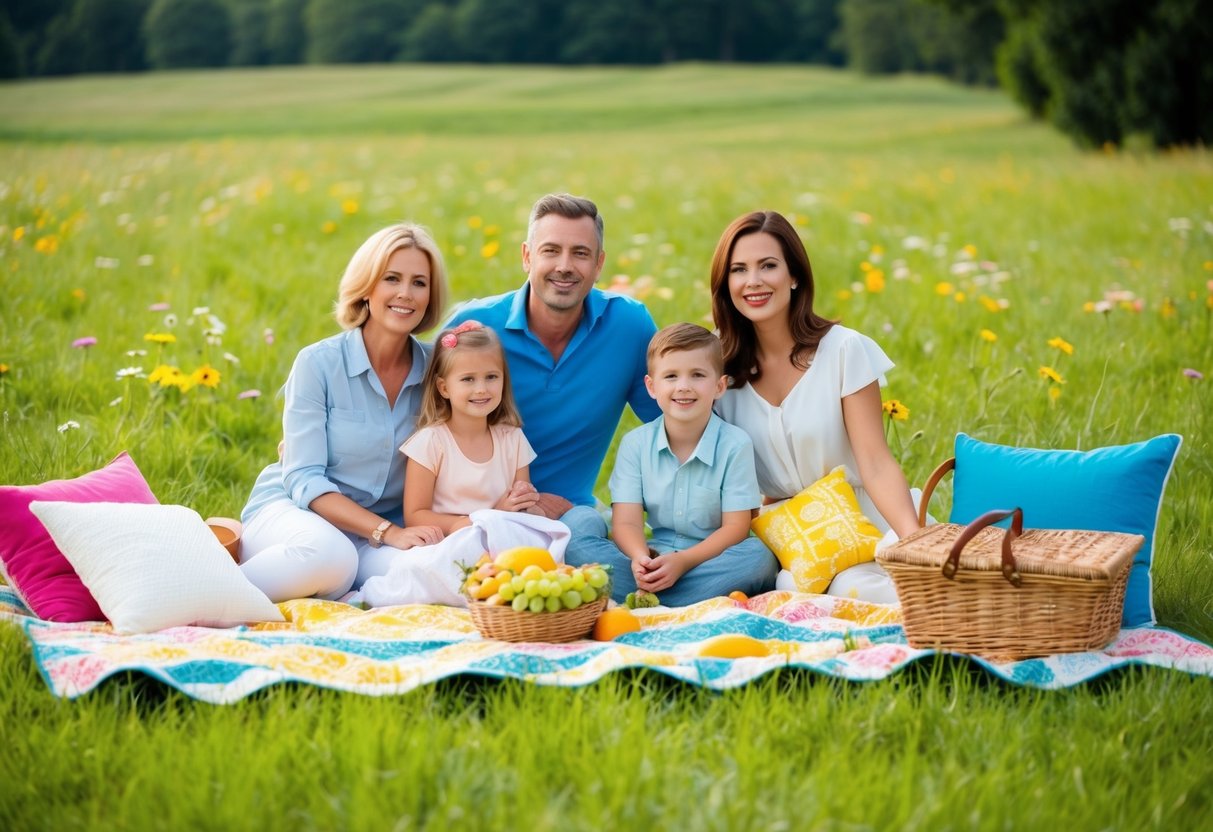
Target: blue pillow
(1114, 489)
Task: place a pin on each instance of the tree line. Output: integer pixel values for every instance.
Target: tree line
(1100, 70)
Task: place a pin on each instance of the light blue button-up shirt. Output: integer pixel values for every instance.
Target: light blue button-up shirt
(340, 433)
(684, 501)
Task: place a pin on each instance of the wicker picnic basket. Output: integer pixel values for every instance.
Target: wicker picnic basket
(1009, 594)
(506, 624)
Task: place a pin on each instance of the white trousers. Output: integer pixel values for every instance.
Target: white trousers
(289, 552)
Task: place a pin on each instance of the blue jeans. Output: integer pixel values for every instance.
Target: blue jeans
(748, 566)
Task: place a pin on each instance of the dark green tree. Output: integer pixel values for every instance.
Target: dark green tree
(433, 36)
(357, 31)
(250, 30)
(111, 34)
(61, 48)
(1169, 75)
(877, 35)
(815, 33)
(619, 32)
(11, 63)
(492, 32)
(30, 20)
(187, 33)
(286, 32)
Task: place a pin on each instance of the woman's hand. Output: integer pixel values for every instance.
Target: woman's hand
(402, 538)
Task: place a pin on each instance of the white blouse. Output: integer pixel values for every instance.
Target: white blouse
(802, 439)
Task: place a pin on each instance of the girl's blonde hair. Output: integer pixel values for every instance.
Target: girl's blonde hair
(470, 335)
(369, 263)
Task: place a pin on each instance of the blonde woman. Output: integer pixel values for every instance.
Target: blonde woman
(331, 510)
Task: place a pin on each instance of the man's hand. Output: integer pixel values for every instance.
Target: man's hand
(552, 506)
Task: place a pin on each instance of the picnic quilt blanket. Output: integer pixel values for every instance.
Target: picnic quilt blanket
(391, 650)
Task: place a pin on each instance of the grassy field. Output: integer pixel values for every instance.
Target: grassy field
(932, 213)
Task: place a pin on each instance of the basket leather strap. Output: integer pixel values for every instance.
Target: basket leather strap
(928, 489)
(1010, 570)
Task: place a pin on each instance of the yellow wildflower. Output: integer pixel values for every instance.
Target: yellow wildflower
(845, 294)
(160, 337)
(3, 369)
(1049, 374)
(329, 227)
(865, 266)
(970, 250)
(349, 207)
(1062, 345)
(18, 233)
(1089, 306)
(959, 297)
(78, 294)
(164, 375)
(1167, 310)
(489, 249)
(988, 335)
(1054, 393)
(874, 281)
(206, 375)
(490, 230)
(896, 410)
(989, 303)
(475, 222)
(47, 245)
(944, 288)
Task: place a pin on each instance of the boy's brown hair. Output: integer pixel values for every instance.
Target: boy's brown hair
(683, 338)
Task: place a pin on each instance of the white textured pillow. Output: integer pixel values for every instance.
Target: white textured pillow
(153, 566)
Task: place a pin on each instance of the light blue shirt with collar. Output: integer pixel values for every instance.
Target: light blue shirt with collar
(570, 408)
(684, 500)
(341, 434)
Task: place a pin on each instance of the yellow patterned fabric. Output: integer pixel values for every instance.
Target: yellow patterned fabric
(819, 532)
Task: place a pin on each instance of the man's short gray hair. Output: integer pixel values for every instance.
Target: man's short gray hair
(566, 205)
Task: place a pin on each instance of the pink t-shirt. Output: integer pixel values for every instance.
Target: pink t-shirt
(462, 486)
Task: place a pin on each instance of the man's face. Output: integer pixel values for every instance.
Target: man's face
(562, 261)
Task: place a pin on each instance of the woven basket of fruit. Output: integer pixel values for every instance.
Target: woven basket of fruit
(523, 595)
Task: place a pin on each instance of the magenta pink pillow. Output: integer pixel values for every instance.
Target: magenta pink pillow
(33, 563)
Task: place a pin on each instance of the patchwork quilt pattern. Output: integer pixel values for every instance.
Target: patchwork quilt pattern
(392, 650)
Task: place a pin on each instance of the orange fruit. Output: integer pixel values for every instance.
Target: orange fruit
(520, 557)
(739, 596)
(731, 646)
(613, 623)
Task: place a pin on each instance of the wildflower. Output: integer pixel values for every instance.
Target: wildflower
(170, 320)
(861, 218)
(145, 260)
(135, 353)
(349, 207)
(843, 294)
(201, 310)
(3, 369)
(1061, 345)
(1049, 374)
(18, 233)
(206, 376)
(116, 402)
(1054, 393)
(249, 394)
(167, 376)
(129, 372)
(944, 288)
(490, 230)
(160, 337)
(665, 293)
(106, 262)
(1195, 375)
(47, 245)
(990, 304)
(70, 424)
(84, 343)
(896, 410)
(230, 359)
(874, 281)
(158, 307)
(988, 335)
(1167, 310)
(475, 222)
(268, 335)
(329, 227)
(959, 297)
(489, 249)
(79, 294)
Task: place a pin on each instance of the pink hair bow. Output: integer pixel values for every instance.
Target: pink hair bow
(452, 338)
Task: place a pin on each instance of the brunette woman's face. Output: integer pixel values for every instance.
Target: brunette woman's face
(760, 285)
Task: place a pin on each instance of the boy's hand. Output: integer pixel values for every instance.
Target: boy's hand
(640, 568)
(663, 573)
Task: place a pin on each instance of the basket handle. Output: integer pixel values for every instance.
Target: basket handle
(1010, 570)
(928, 489)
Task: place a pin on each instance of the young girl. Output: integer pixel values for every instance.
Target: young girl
(469, 452)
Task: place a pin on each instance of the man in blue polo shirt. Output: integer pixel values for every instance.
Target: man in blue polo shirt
(576, 355)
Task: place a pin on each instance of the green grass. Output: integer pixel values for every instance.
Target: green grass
(246, 192)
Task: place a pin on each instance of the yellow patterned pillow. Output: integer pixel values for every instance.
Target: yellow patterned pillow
(819, 532)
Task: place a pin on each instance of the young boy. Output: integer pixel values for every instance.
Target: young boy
(693, 474)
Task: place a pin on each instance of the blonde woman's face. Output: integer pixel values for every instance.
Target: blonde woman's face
(399, 299)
